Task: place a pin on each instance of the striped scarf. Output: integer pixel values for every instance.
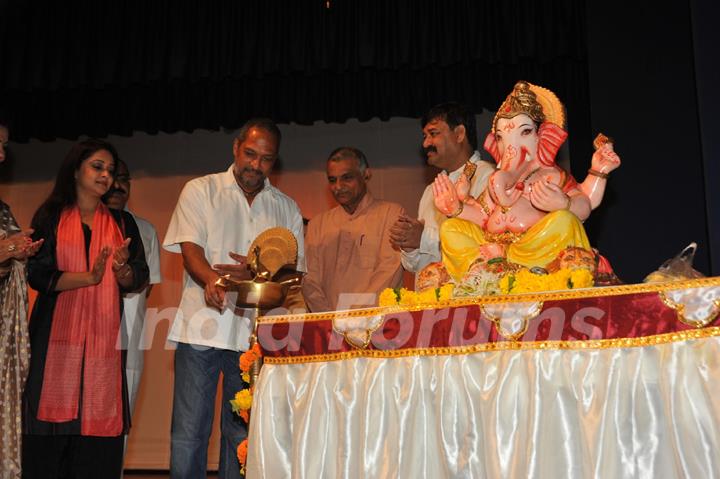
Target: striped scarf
(81, 356)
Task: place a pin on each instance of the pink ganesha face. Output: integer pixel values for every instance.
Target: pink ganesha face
(517, 140)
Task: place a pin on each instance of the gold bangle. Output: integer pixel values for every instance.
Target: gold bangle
(457, 211)
(483, 204)
(569, 203)
(597, 173)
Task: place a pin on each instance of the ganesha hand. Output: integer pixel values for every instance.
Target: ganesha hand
(547, 196)
(445, 197)
(462, 187)
(502, 189)
(605, 160)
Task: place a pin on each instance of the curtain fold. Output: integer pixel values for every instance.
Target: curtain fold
(87, 67)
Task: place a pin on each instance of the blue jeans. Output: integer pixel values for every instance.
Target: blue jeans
(197, 370)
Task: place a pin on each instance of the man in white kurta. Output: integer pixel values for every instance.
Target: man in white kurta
(135, 304)
(216, 216)
(450, 142)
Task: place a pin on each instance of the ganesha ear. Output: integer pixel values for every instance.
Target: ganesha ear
(490, 146)
(551, 137)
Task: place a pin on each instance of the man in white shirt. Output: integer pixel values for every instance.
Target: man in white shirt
(216, 218)
(134, 304)
(450, 143)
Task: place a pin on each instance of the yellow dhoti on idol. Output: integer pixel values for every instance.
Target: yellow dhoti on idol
(538, 246)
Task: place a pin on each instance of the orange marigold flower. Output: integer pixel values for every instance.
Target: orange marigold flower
(246, 360)
(245, 414)
(249, 357)
(242, 452)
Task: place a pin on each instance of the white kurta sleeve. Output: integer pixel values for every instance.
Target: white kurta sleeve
(152, 254)
(429, 250)
(188, 219)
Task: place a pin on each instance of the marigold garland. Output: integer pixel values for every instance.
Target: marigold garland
(245, 415)
(524, 281)
(406, 297)
(242, 403)
(445, 292)
(242, 450)
(388, 297)
(249, 357)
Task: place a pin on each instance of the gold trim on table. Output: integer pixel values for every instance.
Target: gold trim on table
(514, 312)
(510, 298)
(696, 307)
(655, 340)
(357, 331)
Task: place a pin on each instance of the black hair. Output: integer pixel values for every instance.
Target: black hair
(264, 124)
(119, 161)
(64, 193)
(454, 114)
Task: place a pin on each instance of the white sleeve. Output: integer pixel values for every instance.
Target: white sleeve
(152, 254)
(296, 226)
(429, 250)
(188, 219)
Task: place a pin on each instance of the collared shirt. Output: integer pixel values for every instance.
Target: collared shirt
(212, 212)
(135, 304)
(429, 250)
(349, 256)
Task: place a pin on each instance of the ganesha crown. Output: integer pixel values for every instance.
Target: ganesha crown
(540, 104)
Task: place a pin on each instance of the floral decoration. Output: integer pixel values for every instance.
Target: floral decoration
(525, 281)
(406, 297)
(486, 282)
(242, 403)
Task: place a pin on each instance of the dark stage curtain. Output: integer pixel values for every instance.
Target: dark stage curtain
(114, 67)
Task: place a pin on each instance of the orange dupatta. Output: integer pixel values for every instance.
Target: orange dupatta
(83, 334)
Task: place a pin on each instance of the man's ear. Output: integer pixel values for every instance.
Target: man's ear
(367, 175)
(236, 145)
(460, 133)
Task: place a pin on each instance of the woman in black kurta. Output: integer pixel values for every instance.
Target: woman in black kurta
(53, 449)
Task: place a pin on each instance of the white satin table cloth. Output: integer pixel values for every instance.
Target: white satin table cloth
(546, 409)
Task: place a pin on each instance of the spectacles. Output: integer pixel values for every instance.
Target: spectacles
(123, 178)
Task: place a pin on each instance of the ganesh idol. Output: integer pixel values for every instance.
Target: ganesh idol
(531, 209)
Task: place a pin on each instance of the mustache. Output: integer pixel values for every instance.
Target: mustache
(249, 169)
(429, 149)
(114, 190)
